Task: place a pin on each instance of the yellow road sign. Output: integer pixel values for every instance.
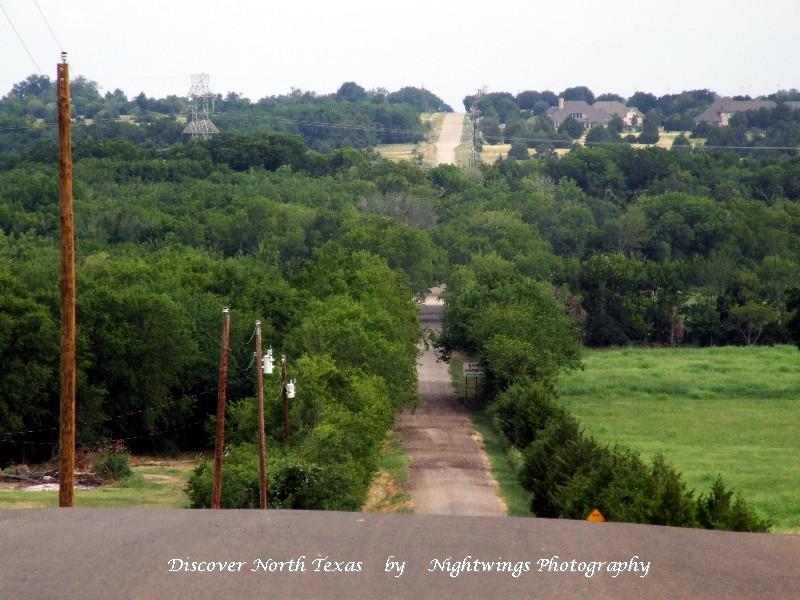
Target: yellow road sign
(595, 516)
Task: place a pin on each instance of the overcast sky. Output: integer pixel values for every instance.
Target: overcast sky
(261, 48)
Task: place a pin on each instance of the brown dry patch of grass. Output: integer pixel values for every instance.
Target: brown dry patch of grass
(385, 495)
(489, 154)
(387, 491)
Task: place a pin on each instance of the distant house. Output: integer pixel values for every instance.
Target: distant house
(599, 113)
(721, 111)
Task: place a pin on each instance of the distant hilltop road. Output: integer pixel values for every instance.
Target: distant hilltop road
(449, 138)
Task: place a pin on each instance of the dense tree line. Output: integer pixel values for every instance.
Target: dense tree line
(523, 334)
(352, 116)
(607, 245)
(506, 117)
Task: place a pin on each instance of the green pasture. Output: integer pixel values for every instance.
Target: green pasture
(733, 411)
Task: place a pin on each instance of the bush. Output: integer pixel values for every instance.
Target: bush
(112, 464)
(519, 150)
(291, 482)
(522, 410)
(716, 511)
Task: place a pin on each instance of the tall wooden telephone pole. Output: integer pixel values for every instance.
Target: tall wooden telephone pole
(262, 446)
(66, 470)
(219, 441)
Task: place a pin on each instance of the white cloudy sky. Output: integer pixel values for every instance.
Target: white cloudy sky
(260, 47)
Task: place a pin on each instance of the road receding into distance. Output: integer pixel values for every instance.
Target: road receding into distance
(449, 472)
(449, 138)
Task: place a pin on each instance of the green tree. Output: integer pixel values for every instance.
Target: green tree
(580, 92)
(350, 91)
(649, 133)
(750, 320)
(572, 128)
(519, 150)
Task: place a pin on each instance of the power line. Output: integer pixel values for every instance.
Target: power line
(46, 22)
(132, 437)
(11, 434)
(422, 132)
(21, 41)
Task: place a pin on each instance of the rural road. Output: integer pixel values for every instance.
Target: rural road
(109, 554)
(448, 471)
(449, 138)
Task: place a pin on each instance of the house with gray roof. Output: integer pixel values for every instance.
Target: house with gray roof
(599, 113)
(722, 109)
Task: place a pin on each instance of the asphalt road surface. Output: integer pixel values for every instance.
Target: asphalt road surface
(449, 138)
(109, 554)
(448, 472)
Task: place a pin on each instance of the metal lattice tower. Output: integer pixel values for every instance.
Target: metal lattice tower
(200, 125)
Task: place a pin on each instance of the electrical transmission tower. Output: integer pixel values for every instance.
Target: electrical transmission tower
(200, 125)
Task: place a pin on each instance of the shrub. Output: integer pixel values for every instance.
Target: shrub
(716, 511)
(291, 482)
(112, 463)
(519, 150)
(522, 410)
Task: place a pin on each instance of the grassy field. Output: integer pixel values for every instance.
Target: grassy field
(152, 485)
(397, 152)
(491, 152)
(733, 411)
(424, 151)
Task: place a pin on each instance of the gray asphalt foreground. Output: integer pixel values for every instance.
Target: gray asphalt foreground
(103, 554)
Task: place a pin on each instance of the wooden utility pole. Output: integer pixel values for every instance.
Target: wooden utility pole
(285, 399)
(219, 442)
(66, 470)
(262, 445)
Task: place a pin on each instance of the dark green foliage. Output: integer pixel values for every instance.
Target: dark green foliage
(681, 140)
(293, 482)
(649, 133)
(350, 91)
(607, 244)
(611, 97)
(719, 510)
(519, 150)
(580, 92)
(602, 135)
(536, 102)
(572, 128)
(422, 99)
(112, 464)
(569, 473)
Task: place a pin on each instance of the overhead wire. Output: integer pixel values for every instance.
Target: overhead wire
(10, 434)
(47, 23)
(21, 41)
(423, 132)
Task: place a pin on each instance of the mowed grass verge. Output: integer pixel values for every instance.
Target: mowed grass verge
(387, 491)
(150, 486)
(733, 411)
(505, 460)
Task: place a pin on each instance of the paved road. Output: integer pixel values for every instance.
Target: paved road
(449, 138)
(109, 554)
(449, 471)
